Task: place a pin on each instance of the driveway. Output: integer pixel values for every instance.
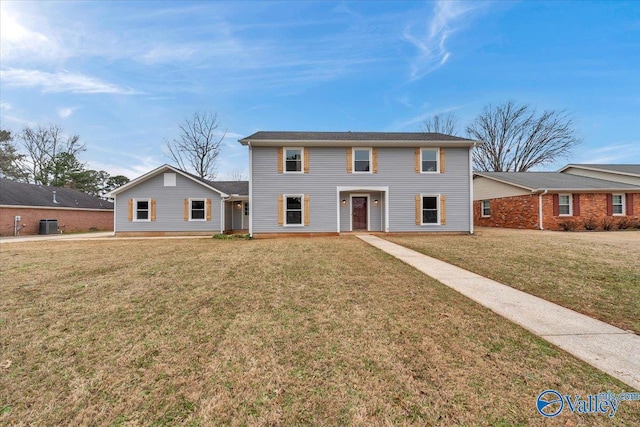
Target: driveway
(39, 238)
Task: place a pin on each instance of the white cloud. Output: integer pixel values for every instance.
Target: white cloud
(616, 153)
(66, 112)
(5, 106)
(62, 81)
(431, 41)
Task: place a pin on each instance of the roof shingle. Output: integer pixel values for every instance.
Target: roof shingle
(555, 181)
(22, 194)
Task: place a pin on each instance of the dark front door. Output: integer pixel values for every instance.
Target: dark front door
(359, 210)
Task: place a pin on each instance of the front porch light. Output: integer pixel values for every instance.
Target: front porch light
(344, 202)
(375, 202)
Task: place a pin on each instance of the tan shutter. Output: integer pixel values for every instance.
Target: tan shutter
(280, 156)
(280, 210)
(374, 154)
(349, 160)
(418, 210)
(416, 160)
(306, 209)
(306, 160)
(130, 211)
(442, 160)
(186, 210)
(153, 209)
(443, 209)
(208, 208)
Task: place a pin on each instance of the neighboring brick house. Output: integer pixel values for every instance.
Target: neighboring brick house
(553, 201)
(628, 174)
(74, 211)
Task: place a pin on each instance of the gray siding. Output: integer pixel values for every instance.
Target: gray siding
(169, 206)
(485, 188)
(604, 175)
(327, 171)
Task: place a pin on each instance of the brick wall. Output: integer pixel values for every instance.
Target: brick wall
(68, 220)
(593, 207)
(509, 212)
(522, 212)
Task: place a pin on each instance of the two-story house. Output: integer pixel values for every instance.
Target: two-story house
(334, 182)
(314, 183)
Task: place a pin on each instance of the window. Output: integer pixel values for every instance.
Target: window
(293, 210)
(293, 160)
(198, 210)
(617, 203)
(429, 160)
(362, 160)
(246, 208)
(429, 209)
(142, 210)
(486, 208)
(564, 204)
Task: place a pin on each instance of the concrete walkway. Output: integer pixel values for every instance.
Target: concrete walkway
(610, 349)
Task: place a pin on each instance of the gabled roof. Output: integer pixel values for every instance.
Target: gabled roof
(554, 181)
(266, 138)
(220, 187)
(629, 169)
(21, 194)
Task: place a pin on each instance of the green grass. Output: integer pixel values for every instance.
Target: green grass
(323, 331)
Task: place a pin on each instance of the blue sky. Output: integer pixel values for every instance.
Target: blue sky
(124, 75)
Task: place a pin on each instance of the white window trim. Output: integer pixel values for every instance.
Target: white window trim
(482, 214)
(351, 196)
(284, 160)
(570, 204)
(437, 160)
(353, 160)
(284, 209)
(422, 196)
(623, 197)
(135, 210)
(198, 199)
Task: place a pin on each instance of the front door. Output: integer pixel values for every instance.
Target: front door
(359, 211)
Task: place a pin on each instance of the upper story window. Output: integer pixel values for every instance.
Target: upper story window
(142, 210)
(486, 208)
(293, 160)
(564, 204)
(617, 203)
(429, 160)
(362, 160)
(198, 210)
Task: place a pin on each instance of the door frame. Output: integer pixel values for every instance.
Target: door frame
(365, 195)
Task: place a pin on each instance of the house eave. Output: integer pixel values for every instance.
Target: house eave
(355, 143)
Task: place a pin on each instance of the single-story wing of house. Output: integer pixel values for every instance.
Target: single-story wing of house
(23, 206)
(170, 201)
(313, 183)
(553, 201)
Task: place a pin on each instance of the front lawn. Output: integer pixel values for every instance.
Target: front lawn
(597, 274)
(322, 331)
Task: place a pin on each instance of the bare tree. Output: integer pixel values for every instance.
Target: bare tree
(237, 175)
(516, 138)
(446, 123)
(198, 145)
(45, 147)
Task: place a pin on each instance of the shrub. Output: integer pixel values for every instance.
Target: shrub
(607, 223)
(590, 223)
(231, 236)
(624, 223)
(568, 225)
